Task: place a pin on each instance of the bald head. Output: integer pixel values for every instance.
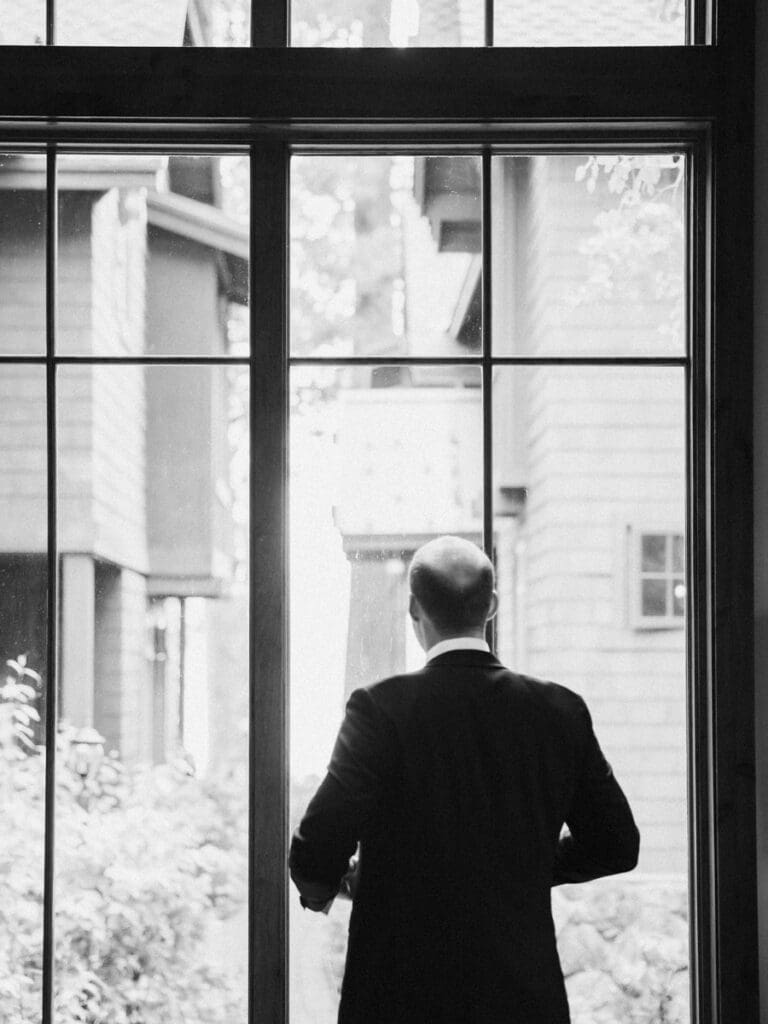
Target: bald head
(452, 580)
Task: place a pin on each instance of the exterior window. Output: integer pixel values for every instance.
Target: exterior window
(389, 342)
(658, 581)
(257, 344)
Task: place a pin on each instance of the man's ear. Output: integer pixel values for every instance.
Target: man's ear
(494, 606)
(414, 608)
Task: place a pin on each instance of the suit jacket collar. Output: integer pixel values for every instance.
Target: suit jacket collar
(465, 657)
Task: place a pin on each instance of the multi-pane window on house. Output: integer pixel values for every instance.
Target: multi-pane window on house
(403, 23)
(586, 252)
(659, 579)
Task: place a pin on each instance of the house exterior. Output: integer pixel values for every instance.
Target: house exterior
(588, 475)
(148, 263)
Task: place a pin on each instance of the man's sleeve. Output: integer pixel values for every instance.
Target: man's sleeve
(602, 837)
(330, 829)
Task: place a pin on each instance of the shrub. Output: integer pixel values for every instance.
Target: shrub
(147, 860)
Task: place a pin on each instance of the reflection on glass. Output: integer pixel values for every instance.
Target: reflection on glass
(400, 23)
(381, 460)
(22, 255)
(148, 23)
(153, 254)
(152, 771)
(23, 674)
(385, 255)
(593, 23)
(588, 254)
(589, 485)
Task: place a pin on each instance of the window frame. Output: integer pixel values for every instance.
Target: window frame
(272, 99)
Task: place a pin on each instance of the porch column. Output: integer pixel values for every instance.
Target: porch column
(78, 630)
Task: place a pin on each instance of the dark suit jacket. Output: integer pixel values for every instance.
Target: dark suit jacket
(456, 780)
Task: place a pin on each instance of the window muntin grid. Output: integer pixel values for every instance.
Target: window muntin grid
(485, 363)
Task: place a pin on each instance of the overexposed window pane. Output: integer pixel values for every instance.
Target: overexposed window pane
(22, 22)
(400, 23)
(452, 23)
(590, 23)
(149, 23)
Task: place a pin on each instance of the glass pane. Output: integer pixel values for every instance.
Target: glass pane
(398, 23)
(619, 23)
(654, 598)
(22, 254)
(385, 255)
(583, 459)
(22, 22)
(377, 468)
(148, 23)
(654, 552)
(588, 254)
(23, 675)
(153, 254)
(152, 773)
(678, 554)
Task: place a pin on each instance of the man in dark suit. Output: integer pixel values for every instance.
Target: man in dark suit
(456, 781)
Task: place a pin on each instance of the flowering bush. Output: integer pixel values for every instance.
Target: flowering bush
(147, 860)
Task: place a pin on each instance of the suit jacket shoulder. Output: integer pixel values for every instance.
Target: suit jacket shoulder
(392, 695)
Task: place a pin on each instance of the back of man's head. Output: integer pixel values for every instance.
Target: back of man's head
(453, 581)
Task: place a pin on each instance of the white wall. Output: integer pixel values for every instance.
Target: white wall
(761, 485)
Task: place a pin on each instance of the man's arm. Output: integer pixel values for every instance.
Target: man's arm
(327, 837)
(603, 838)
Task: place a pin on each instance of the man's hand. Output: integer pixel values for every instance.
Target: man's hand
(348, 887)
(318, 906)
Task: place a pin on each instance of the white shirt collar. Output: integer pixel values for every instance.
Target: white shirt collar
(457, 643)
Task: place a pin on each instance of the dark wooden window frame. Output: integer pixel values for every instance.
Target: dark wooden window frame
(272, 99)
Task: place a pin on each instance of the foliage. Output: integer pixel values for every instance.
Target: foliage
(635, 255)
(623, 944)
(146, 861)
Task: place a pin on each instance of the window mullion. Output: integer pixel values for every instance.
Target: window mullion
(487, 365)
(268, 575)
(270, 23)
(50, 22)
(51, 703)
